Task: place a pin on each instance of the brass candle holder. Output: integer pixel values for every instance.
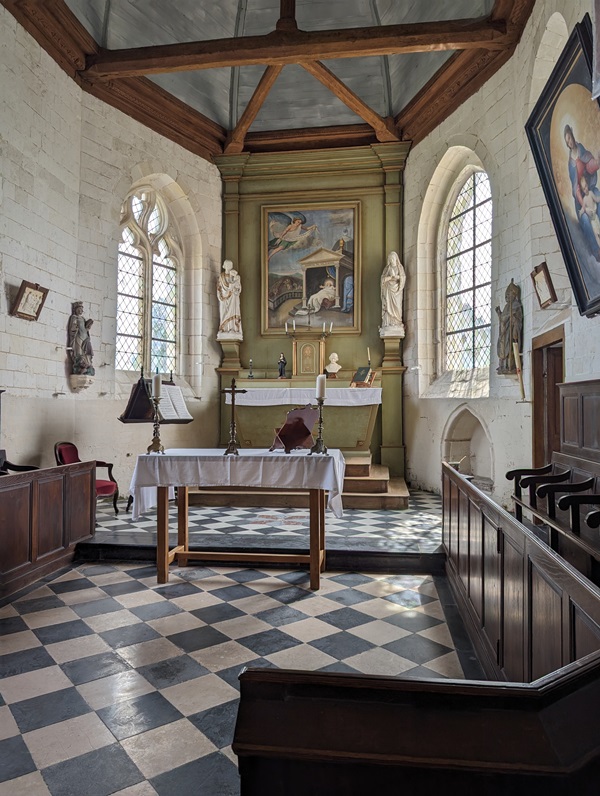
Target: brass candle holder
(156, 445)
(319, 446)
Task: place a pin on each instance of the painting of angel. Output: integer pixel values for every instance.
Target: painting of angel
(308, 267)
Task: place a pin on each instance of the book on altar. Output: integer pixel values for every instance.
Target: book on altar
(172, 404)
(363, 377)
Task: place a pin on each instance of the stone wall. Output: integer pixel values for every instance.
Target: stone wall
(66, 162)
(488, 131)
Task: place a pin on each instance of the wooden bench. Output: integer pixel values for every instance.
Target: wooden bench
(563, 496)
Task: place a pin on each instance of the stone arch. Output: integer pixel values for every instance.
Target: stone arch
(462, 158)
(467, 443)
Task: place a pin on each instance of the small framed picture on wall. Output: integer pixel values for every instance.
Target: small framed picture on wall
(542, 282)
(29, 301)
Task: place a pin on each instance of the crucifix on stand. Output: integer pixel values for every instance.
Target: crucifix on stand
(232, 447)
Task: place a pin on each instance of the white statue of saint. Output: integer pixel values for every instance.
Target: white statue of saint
(229, 288)
(333, 366)
(393, 280)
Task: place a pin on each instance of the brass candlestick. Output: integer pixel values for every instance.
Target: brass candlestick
(319, 446)
(156, 445)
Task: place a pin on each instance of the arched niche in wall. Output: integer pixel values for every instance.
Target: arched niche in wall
(467, 445)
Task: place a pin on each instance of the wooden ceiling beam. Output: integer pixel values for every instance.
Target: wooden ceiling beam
(283, 47)
(385, 130)
(235, 140)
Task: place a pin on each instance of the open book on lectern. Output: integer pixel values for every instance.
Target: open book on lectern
(171, 407)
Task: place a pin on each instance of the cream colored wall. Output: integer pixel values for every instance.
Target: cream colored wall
(489, 129)
(67, 162)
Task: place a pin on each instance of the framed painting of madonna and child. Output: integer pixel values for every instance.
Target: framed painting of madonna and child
(564, 135)
(310, 271)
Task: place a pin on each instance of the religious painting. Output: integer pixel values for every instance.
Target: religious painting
(564, 135)
(29, 301)
(310, 268)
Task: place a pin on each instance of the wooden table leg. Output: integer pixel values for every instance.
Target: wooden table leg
(182, 523)
(162, 535)
(315, 536)
(322, 526)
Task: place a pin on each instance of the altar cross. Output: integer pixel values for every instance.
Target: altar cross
(232, 446)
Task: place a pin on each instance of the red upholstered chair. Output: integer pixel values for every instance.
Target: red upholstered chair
(67, 453)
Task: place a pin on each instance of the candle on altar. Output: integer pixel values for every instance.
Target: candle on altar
(286, 327)
(156, 385)
(320, 394)
(331, 327)
(323, 327)
(368, 354)
(294, 322)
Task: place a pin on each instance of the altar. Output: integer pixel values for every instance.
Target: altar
(316, 474)
(349, 414)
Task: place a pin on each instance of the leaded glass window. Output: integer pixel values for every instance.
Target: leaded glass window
(468, 314)
(149, 254)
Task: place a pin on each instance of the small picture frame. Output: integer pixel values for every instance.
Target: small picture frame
(542, 282)
(29, 301)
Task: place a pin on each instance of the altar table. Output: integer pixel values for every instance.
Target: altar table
(155, 474)
(282, 396)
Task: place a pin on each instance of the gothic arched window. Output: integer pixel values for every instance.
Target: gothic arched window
(468, 277)
(149, 255)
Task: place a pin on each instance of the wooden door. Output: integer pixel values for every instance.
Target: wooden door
(548, 373)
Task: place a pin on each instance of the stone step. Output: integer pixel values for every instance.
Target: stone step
(376, 481)
(358, 464)
(395, 498)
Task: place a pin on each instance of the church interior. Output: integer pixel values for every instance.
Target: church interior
(380, 217)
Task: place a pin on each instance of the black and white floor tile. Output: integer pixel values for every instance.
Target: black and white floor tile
(112, 684)
(417, 529)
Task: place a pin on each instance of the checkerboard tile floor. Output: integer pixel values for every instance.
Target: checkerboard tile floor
(417, 529)
(110, 683)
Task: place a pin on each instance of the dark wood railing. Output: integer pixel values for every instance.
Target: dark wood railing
(43, 514)
(532, 618)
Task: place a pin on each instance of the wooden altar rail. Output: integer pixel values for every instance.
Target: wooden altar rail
(43, 514)
(342, 734)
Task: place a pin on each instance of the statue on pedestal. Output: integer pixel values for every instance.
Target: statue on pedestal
(281, 363)
(510, 329)
(80, 344)
(229, 288)
(393, 280)
(333, 367)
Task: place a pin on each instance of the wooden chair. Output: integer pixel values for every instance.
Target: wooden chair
(67, 453)
(6, 466)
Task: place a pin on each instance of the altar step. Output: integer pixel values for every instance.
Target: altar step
(366, 486)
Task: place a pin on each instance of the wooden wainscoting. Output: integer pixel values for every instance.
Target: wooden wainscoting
(528, 611)
(43, 514)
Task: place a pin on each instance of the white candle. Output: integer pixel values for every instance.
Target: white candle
(331, 327)
(294, 322)
(323, 327)
(321, 386)
(286, 327)
(368, 354)
(156, 385)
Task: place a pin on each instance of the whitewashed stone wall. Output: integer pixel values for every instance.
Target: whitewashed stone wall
(66, 164)
(491, 126)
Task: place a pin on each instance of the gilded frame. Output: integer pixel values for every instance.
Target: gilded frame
(310, 273)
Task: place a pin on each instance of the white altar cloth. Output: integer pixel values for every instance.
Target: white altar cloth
(209, 467)
(300, 396)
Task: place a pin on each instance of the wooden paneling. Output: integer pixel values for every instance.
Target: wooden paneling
(516, 594)
(513, 614)
(546, 624)
(15, 526)
(570, 425)
(43, 513)
(463, 535)
(580, 428)
(585, 634)
(50, 507)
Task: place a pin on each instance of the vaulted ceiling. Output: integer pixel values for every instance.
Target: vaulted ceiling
(264, 75)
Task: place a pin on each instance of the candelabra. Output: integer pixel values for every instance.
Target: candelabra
(156, 445)
(319, 446)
